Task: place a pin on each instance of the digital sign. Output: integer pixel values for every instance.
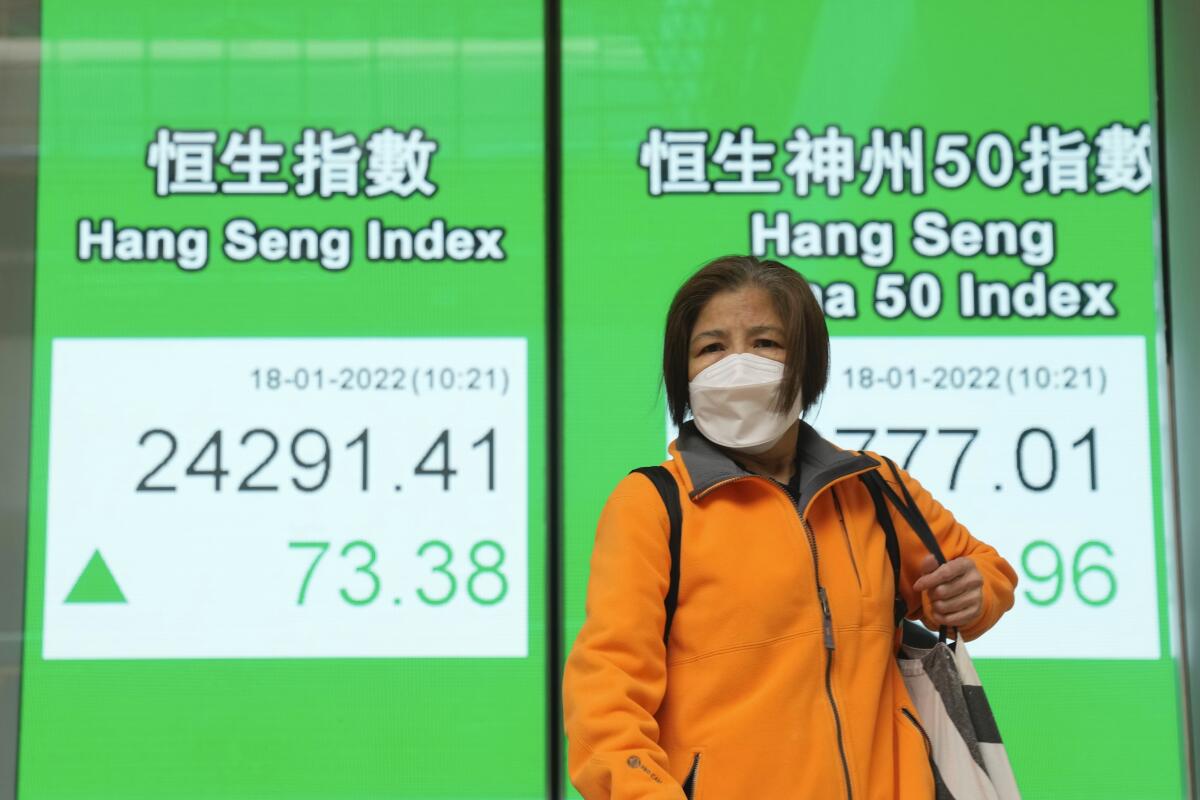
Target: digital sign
(970, 196)
(287, 531)
(289, 486)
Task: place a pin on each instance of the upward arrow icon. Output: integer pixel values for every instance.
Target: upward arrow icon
(96, 584)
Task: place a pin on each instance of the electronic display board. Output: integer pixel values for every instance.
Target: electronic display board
(287, 534)
(288, 488)
(969, 191)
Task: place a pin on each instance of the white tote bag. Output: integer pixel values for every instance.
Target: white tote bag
(969, 759)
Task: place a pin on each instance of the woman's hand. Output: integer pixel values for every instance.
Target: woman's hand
(955, 589)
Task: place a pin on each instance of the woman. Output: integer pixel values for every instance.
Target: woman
(778, 680)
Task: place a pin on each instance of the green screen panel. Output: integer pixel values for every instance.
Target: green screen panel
(970, 192)
(286, 529)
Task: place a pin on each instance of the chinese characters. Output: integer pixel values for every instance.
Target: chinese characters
(324, 163)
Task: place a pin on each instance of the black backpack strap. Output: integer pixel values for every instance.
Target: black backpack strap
(664, 482)
(872, 481)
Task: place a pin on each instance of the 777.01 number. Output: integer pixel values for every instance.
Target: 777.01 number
(1031, 443)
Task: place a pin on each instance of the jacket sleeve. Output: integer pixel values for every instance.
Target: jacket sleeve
(615, 674)
(999, 578)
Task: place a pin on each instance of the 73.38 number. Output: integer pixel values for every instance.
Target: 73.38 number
(486, 585)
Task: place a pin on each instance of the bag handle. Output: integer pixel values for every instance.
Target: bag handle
(878, 488)
(912, 514)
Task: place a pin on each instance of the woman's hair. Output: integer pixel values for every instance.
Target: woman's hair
(806, 339)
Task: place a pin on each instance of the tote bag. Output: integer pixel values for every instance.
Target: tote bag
(969, 759)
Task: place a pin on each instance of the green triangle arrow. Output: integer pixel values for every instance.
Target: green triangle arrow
(96, 584)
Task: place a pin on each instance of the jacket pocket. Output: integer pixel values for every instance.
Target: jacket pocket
(914, 768)
(692, 781)
(863, 589)
(912, 719)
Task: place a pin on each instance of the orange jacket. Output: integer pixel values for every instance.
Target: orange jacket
(747, 701)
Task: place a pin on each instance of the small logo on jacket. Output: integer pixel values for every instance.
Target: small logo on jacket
(636, 763)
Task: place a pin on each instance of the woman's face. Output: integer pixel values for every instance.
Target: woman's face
(739, 321)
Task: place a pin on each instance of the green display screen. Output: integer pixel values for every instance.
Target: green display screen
(969, 190)
(287, 528)
(291, 525)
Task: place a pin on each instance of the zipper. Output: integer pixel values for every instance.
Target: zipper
(827, 626)
(928, 746)
(837, 504)
(689, 784)
(826, 614)
(721, 483)
(912, 718)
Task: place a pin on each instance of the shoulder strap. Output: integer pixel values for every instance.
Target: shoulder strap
(878, 488)
(664, 482)
(872, 481)
(912, 515)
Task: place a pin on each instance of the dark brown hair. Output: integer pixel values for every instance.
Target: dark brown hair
(806, 339)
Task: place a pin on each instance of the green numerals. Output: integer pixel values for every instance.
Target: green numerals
(441, 569)
(1104, 576)
(320, 547)
(364, 569)
(481, 571)
(1094, 584)
(487, 585)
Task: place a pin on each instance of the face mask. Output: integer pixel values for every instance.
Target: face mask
(733, 403)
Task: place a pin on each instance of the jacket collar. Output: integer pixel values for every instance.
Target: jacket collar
(821, 463)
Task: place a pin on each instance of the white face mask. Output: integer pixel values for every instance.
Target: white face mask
(733, 402)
